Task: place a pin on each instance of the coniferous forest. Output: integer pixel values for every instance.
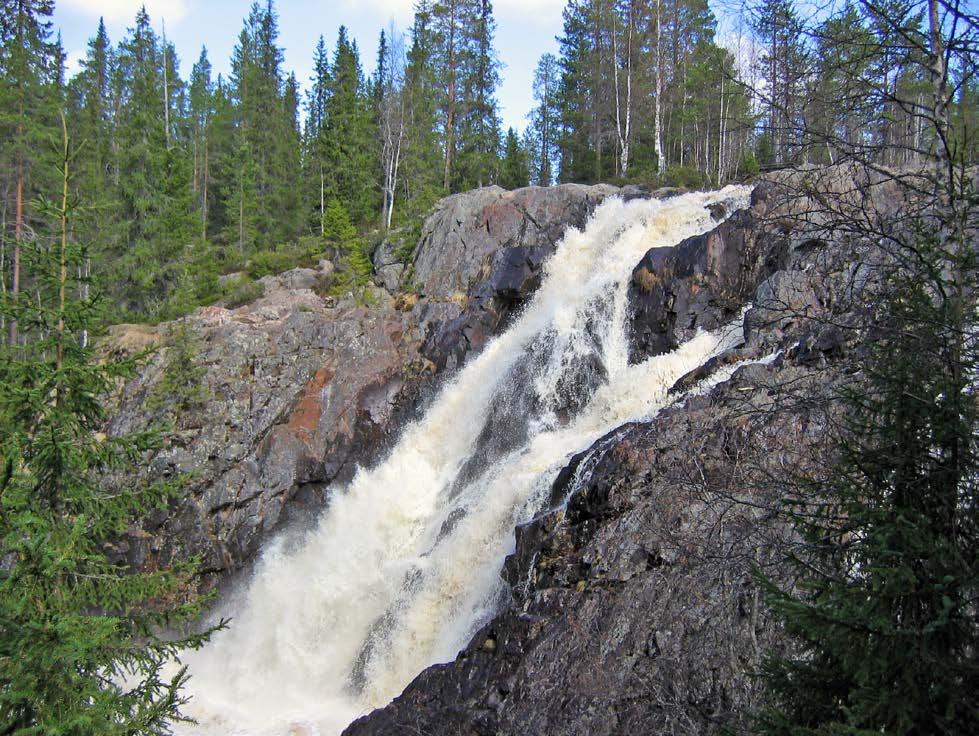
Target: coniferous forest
(185, 179)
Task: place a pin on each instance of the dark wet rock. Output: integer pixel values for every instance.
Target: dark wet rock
(484, 251)
(633, 602)
(634, 608)
(704, 281)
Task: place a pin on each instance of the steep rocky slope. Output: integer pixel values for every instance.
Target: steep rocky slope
(633, 604)
(300, 390)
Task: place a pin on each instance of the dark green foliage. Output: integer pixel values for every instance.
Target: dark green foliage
(262, 192)
(336, 225)
(31, 85)
(270, 262)
(479, 124)
(239, 292)
(515, 171)
(181, 386)
(81, 650)
(355, 266)
(884, 609)
(347, 141)
(544, 120)
(423, 157)
(154, 197)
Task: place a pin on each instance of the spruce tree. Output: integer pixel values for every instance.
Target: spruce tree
(355, 267)
(514, 172)
(314, 161)
(422, 170)
(90, 104)
(349, 137)
(884, 615)
(201, 114)
(154, 185)
(262, 200)
(80, 645)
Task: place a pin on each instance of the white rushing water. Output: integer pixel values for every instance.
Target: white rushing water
(404, 566)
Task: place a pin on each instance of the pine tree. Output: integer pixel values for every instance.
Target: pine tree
(448, 24)
(782, 66)
(543, 119)
(80, 645)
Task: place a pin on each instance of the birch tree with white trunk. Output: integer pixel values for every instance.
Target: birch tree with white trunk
(623, 107)
(392, 121)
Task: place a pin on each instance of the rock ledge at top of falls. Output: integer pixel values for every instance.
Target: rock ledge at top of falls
(301, 390)
(481, 253)
(633, 607)
(466, 228)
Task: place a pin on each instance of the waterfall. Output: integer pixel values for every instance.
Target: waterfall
(404, 565)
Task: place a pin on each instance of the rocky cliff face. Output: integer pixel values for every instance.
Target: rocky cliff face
(300, 390)
(633, 604)
(480, 258)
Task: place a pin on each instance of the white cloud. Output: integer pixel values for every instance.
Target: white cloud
(124, 11)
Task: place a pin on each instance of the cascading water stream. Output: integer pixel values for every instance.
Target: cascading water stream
(404, 565)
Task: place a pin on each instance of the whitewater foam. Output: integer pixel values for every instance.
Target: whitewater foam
(404, 565)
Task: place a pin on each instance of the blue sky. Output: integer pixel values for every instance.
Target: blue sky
(525, 30)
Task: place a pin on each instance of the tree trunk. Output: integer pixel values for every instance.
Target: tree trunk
(622, 131)
(657, 104)
(18, 237)
(204, 185)
(63, 252)
(939, 80)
